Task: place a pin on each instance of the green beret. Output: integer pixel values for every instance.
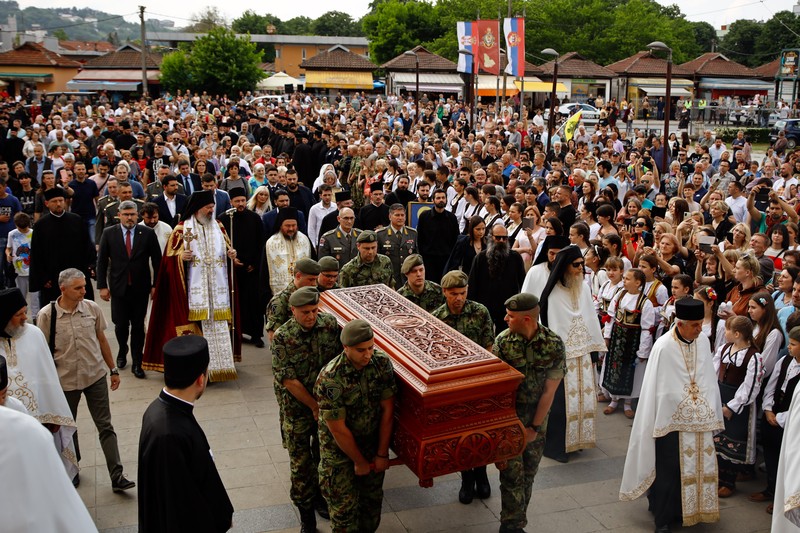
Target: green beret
(455, 279)
(304, 296)
(328, 264)
(411, 262)
(523, 301)
(356, 332)
(307, 266)
(367, 236)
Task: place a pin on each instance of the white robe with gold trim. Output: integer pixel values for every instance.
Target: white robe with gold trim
(786, 514)
(282, 254)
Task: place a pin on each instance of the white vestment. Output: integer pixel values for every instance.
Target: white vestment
(575, 321)
(37, 495)
(679, 393)
(282, 254)
(786, 514)
(536, 279)
(33, 380)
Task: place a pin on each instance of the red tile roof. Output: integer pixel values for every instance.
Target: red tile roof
(713, 64)
(574, 65)
(645, 64)
(87, 46)
(35, 55)
(125, 57)
(768, 71)
(428, 62)
(267, 67)
(338, 58)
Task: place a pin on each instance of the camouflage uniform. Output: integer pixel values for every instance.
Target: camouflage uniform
(356, 273)
(300, 354)
(354, 396)
(397, 245)
(473, 322)
(335, 244)
(278, 311)
(539, 359)
(323, 289)
(430, 299)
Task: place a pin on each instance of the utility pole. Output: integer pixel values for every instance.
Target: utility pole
(508, 59)
(144, 51)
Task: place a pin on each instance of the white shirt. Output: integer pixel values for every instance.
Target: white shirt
(748, 390)
(772, 386)
(170, 204)
(738, 207)
(315, 216)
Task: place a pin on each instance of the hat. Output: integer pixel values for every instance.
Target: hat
(197, 201)
(523, 301)
(551, 241)
(284, 214)
(367, 236)
(11, 301)
(237, 192)
(304, 296)
(307, 265)
(411, 262)
(3, 373)
(356, 332)
(342, 196)
(328, 264)
(455, 279)
(185, 358)
(689, 309)
(55, 192)
(376, 186)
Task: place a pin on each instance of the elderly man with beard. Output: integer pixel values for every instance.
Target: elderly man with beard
(567, 309)
(33, 379)
(193, 293)
(437, 232)
(282, 252)
(496, 275)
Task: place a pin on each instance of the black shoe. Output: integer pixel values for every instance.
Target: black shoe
(122, 484)
(137, 371)
(561, 457)
(467, 492)
(308, 521)
(76, 481)
(508, 529)
(663, 529)
(122, 361)
(258, 343)
(482, 488)
(321, 507)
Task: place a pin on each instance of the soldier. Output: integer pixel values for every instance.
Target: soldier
(111, 196)
(109, 216)
(300, 348)
(539, 355)
(397, 241)
(354, 441)
(328, 274)
(340, 243)
(426, 294)
(472, 320)
(306, 271)
(368, 267)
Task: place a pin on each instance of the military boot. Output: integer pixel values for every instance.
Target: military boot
(321, 506)
(308, 520)
(467, 492)
(482, 488)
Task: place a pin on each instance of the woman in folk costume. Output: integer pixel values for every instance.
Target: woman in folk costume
(629, 341)
(671, 450)
(656, 292)
(739, 372)
(614, 268)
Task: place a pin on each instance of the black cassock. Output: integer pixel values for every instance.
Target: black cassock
(493, 291)
(248, 241)
(179, 486)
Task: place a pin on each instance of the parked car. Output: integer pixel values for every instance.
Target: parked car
(792, 129)
(565, 110)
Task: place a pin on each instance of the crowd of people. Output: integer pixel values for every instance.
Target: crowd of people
(609, 267)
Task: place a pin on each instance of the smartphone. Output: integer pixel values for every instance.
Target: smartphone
(647, 237)
(687, 214)
(762, 196)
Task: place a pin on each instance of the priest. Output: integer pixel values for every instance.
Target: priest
(537, 276)
(32, 376)
(568, 310)
(671, 449)
(281, 252)
(193, 294)
(786, 513)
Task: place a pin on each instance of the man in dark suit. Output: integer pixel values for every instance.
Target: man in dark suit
(38, 163)
(179, 486)
(222, 201)
(191, 182)
(171, 202)
(131, 249)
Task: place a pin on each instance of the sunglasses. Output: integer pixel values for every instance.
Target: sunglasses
(640, 224)
(577, 264)
(500, 237)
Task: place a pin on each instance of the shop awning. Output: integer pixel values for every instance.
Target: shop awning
(429, 82)
(539, 86)
(659, 82)
(97, 85)
(662, 91)
(739, 84)
(333, 79)
(26, 76)
(118, 74)
(487, 84)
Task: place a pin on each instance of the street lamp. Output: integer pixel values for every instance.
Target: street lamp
(551, 120)
(497, 93)
(658, 45)
(416, 91)
(472, 92)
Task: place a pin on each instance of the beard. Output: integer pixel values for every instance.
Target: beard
(496, 255)
(203, 219)
(573, 285)
(15, 332)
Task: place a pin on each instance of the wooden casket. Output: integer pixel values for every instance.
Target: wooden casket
(455, 408)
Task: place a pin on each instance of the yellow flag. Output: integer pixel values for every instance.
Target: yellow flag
(572, 123)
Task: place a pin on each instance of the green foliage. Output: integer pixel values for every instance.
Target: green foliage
(397, 26)
(253, 23)
(297, 26)
(775, 36)
(704, 35)
(206, 21)
(742, 36)
(756, 135)
(61, 35)
(336, 23)
(175, 74)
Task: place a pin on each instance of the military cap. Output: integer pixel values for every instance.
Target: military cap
(304, 296)
(307, 265)
(411, 262)
(455, 279)
(523, 301)
(328, 264)
(367, 236)
(356, 332)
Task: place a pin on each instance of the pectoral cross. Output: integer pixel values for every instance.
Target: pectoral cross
(694, 391)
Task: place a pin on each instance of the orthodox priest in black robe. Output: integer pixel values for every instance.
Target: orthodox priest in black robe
(179, 487)
(61, 241)
(246, 231)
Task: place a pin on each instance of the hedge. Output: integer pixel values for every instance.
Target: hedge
(756, 135)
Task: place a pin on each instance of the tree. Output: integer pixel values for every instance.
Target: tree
(741, 37)
(776, 35)
(397, 26)
(705, 35)
(255, 24)
(61, 35)
(175, 74)
(205, 21)
(336, 23)
(298, 26)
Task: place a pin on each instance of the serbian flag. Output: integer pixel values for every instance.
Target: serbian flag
(467, 40)
(514, 30)
(489, 45)
(571, 124)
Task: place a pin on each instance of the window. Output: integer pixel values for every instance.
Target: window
(304, 54)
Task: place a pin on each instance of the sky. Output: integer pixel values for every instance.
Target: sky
(716, 14)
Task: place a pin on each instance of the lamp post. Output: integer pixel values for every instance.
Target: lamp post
(471, 90)
(497, 91)
(416, 89)
(552, 119)
(658, 45)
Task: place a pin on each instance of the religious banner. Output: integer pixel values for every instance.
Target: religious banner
(467, 39)
(514, 30)
(489, 46)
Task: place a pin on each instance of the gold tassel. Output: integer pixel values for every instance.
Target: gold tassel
(198, 314)
(222, 314)
(226, 374)
(155, 367)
